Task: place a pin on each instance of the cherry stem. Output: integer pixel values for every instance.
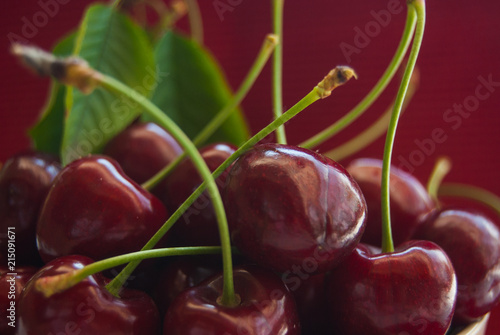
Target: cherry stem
(78, 73)
(335, 78)
(376, 129)
(59, 283)
(440, 170)
(470, 192)
(278, 68)
(195, 21)
(267, 48)
(164, 121)
(415, 7)
(373, 95)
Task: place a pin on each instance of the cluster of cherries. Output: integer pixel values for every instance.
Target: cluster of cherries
(305, 229)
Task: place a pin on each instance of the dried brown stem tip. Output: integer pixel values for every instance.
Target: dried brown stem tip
(335, 78)
(71, 71)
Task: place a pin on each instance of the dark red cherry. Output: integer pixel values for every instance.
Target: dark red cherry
(198, 225)
(11, 285)
(142, 150)
(410, 291)
(290, 208)
(472, 242)
(181, 274)
(25, 180)
(266, 307)
(86, 308)
(409, 200)
(94, 209)
(312, 305)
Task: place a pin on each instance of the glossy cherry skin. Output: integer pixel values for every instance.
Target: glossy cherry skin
(410, 291)
(25, 180)
(94, 209)
(142, 150)
(472, 242)
(292, 209)
(198, 225)
(86, 308)
(11, 285)
(409, 200)
(181, 274)
(266, 307)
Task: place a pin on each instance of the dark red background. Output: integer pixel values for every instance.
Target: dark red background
(462, 42)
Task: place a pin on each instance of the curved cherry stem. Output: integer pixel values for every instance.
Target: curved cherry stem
(470, 192)
(115, 86)
(374, 131)
(375, 92)
(415, 8)
(278, 68)
(440, 170)
(267, 48)
(335, 78)
(59, 283)
(79, 74)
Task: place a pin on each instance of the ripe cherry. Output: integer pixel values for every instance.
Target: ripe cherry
(472, 242)
(409, 291)
(142, 150)
(198, 225)
(292, 209)
(11, 285)
(86, 308)
(181, 274)
(25, 180)
(266, 307)
(409, 200)
(94, 209)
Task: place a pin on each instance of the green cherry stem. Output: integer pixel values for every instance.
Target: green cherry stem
(335, 78)
(415, 7)
(267, 48)
(375, 92)
(470, 192)
(116, 87)
(59, 283)
(278, 68)
(440, 170)
(76, 72)
(374, 131)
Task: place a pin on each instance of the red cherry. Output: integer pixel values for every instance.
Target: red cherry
(198, 225)
(266, 307)
(312, 305)
(409, 291)
(24, 183)
(93, 209)
(472, 242)
(11, 285)
(409, 200)
(86, 308)
(142, 150)
(292, 209)
(182, 274)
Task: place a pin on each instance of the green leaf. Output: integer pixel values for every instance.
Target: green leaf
(192, 89)
(47, 133)
(112, 44)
